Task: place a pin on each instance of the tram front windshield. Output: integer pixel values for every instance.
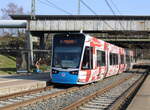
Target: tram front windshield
(67, 52)
(67, 57)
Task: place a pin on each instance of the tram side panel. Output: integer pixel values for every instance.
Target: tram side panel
(129, 59)
(113, 62)
(101, 59)
(122, 65)
(106, 59)
(98, 67)
(132, 59)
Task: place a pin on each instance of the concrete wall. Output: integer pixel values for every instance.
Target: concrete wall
(89, 25)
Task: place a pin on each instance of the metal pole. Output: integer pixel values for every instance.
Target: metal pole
(33, 9)
(29, 46)
(78, 7)
(30, 50)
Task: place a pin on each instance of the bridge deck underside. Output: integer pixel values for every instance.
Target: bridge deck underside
(124, 29)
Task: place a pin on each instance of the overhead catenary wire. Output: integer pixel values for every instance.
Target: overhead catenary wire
(51, 4)
(45, 3)
(61, 9)
(88, 7)
(110, 7)
(94, 12)
(116, 7)
(114, 13)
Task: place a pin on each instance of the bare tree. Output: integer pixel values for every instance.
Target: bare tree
(11, 8)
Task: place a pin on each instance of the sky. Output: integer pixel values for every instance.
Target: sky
(126, 7)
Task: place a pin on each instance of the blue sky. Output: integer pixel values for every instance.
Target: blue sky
(126, 7)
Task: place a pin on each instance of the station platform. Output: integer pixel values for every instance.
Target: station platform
(142, 99)
(17, 83)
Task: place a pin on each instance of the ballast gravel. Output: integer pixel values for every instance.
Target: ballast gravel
(59, 102)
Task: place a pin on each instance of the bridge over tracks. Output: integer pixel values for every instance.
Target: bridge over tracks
(127, 31)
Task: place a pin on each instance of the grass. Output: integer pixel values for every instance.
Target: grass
(7, 64)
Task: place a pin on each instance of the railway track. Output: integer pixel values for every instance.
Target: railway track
(13, 101)
(23, 93)
(53, 98)
(112, 97)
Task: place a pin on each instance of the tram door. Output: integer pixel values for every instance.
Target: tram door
(128, 62)
(87, 63)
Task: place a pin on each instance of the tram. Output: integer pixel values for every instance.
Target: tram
(78, 58)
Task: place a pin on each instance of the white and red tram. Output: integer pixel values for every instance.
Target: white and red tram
(80, 59)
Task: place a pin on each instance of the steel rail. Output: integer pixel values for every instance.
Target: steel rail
(40, 98)
(118, 104)
(95, 94)
(13, 95)
(48, 96)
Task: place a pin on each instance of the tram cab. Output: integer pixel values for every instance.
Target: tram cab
(66, 59)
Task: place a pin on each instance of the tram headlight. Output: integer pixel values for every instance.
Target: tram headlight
(54, 71)
(74, 72)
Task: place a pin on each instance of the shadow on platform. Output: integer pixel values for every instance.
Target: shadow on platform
(29, 76)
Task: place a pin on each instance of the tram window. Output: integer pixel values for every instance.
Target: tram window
(122, 59)
(132, 60)
(88, 58)
(127, 58)
(100, 58)
(116, 59)
(111, 59)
